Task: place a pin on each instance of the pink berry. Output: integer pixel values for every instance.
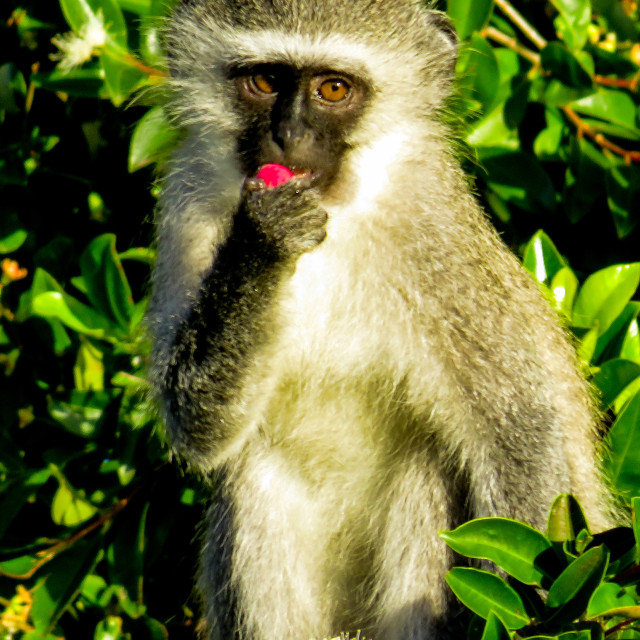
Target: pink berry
(274, 175)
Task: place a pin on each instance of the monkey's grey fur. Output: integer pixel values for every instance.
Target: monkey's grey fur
(357, 365)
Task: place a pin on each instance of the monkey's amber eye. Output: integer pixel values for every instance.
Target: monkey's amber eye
(262, 83)
(334, 90)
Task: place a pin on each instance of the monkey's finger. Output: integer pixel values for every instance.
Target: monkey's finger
(254, 184)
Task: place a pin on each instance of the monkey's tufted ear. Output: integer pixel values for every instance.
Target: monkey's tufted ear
(440, 24)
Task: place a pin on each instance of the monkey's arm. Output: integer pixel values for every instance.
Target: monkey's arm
(226, 325)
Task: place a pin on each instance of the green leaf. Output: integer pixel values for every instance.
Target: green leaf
(607, 598)
(107, 285)
(12, 233)
(553, 93)
(62, 581)
(547, 145)
(87, 82)
(588, 343)
(564, 286)
(152, 140)
(125, 553)
(122, 74)
(514, 546)
(72, 313)
(494, 629)
(566, 519)
(575, 17)
(469, 15)
(604, 295)
(88, 371)
(49, 300)
(519, 178)
(613, 106)
(478, 71)
(614, 377)
(569, 595)
(19, 566)
(69, 508)
(151, 48)
(139, 254)
(558, 60)
(82, 414)
(621, 339)
(635, 522)
(622, 462)
(541, 258)
(623, 196)
(139, 7)
(493, 132)
(484, 593)
(569, 635)
(109, 629)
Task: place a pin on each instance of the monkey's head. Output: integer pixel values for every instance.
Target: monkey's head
(301, 83)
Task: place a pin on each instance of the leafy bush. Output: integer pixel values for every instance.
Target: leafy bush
(589, 582)
(95, 524)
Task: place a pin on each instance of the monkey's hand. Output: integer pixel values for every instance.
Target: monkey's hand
(288, 218)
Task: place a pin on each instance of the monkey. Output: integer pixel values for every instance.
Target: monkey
(352, 360)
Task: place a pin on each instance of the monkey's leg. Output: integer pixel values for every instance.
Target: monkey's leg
(280, 536)
(413, 601)
(518, 467)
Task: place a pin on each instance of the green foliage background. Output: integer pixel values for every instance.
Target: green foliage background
(96, 527)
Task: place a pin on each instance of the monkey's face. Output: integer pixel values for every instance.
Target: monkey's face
(299, 118)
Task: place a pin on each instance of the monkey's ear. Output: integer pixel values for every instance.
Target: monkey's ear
(440, 24)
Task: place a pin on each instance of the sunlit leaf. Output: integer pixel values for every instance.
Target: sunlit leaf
(152, 139)
(69, 508)
(61, 580)
(622, 462)
(614, 377)
(566, 519)
(469, 15)
(574, 19)
(485, 593)
(604, 295)
(607, 598)
(564, 286)
(107, 285)
(514, 546)
(570, 593)
(541, 258)
(565, 66)
(494, 629)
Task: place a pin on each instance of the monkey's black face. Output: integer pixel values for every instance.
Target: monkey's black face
(297, 118)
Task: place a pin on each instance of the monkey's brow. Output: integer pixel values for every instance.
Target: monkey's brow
(283, 70)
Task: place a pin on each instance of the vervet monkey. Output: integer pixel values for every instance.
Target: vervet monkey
(353, 357)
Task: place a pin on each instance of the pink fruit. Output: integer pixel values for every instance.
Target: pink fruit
(274, 175)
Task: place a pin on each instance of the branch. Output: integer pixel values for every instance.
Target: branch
(50, 553)
(598, 138)
(620, 83)
(518, 19)
(511, 43)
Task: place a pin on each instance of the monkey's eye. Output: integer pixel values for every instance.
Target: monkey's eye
(262, 83)
(334, 90)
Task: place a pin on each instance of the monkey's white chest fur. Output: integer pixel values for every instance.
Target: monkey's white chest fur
(333, 393)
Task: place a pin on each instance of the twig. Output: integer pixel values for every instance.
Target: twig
(621, 83)
(48, 554)
(511, 43)
(585, 129)
(518, 19)
(621, 625)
